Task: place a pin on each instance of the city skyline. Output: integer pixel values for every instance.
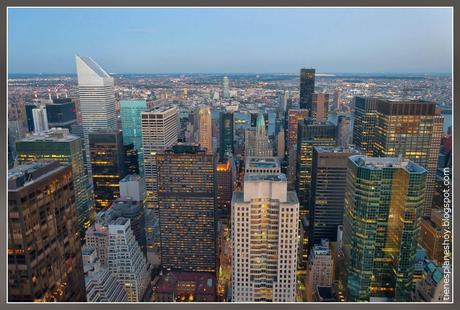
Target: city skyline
(337, 41)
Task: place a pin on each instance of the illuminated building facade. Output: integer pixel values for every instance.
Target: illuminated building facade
(264, 235)
(320, 107)
(205, 129)
(294, 116)
(186, 200)
(320, 268)
(108, 166)
(307, 88)
(224, 187)
(159, 132)
(59, 145)
(310, 134)
(383, 211)
(44, 263)
(408, 128)
(130, 114)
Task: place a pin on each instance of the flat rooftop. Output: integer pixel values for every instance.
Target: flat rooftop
(262, 162)
(265, 177)
(26, 174)
(52, 135)
(386, 162)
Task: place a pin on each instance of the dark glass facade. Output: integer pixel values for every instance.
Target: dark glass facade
(226, 135)
(61, 113)
(307, 88)
(186, 200)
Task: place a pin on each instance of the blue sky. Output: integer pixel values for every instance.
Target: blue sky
(231, 40)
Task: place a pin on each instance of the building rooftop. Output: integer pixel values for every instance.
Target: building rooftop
(26, 174)
(160, 109)
(262, 162)
(131, 178)
(199, 283)
(52, 135)
(335, 149)
(386, 162)
(88, 61)
(265, 177)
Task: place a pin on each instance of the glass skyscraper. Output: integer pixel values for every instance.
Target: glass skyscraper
(383, 211)
(307, 88)
(130, 113)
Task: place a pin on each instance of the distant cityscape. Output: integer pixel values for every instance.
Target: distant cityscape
(229, 187)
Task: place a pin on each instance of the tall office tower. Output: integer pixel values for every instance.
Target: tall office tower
(294, 117)
(320, 107)
(130, 113)
(61, 113)
(44, 254)
(97, 100)
(383, 210)
(307, 88)
(329, 172)
(411, 129)
(132, 210)
(59, 145)
(336, 100)
(281, 142)
(257, 142)
(126, 261)
(29, 116)
(311, 134)
(186, 200)
(343, 129)
(225, 88)
(97, 237)
(264, 235)
(132, 186)
(40, 119)
(205, 130)
(320, 270)
(226, 135)
(107, 163)
(101, 285)
(131, 162)
(224, 188)
(159, 132)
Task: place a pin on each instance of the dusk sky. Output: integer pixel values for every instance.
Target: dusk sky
(232, 40)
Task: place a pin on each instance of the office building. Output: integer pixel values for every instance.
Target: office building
(97, 100)
(44, 253)
(224, 187)
(408, 128)
(329, 173)
(431, 287)
(320, 268)
(61, 113)
(97, 237)
(130, 114)
(205, 130)
(126, 261)
(431, 236)
(186, 287)
(159, 132)
(101, 285)
(108, 165)
(264, 235)
(131, 163)
(186, 200)
(40, 119)
(225, 88)
(320, 107)
(59, 145)
(343, 129)
(281, 144)
(132, 186)
(307, 88)
(294, 117)
(257, 142)
(383, 211)
(226, 135)
(310, 134)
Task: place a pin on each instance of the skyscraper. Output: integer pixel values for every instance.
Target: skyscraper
(61, 113)
(264, 235)
(159, 132)
(383, 211)
(186, 201)
(44, 254)
(205, 129)
(126, 261)
(329, 172)
(310, 134)
(257, 142)
(320, 107)
(294, 117)
(307, 88)
(59, 145)
(108, 165)
(97, 99)
(130, 113)
(224, 187)
(320, 268)
(40, 119)
(343, 129)
(226, 135)
(411, 129)
(225, 88)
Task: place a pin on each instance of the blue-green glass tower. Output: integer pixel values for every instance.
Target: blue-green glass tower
(130, 113)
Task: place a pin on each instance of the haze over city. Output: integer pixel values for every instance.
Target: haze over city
(232, 40)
